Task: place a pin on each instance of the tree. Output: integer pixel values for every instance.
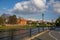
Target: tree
(12, 19)
(5, 17)
(57, 22)
(1, 21)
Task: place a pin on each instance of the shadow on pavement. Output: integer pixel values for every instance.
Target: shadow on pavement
(36, 39)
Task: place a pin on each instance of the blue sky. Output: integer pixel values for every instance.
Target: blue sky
(8, 4)
(31, 9)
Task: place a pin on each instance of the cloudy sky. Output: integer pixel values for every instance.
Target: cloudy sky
(31, 9)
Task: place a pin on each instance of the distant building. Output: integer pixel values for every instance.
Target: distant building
(21, 21)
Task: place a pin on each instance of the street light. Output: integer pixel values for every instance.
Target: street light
(43, 19)
(30, 29)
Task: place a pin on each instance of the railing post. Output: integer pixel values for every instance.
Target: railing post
(43, 28)
(30, 32)
(12, 34)
(38, 29)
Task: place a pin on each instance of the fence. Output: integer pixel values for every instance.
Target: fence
(20, 34)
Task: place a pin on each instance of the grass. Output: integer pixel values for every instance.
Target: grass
(22, 27)
(16, 27)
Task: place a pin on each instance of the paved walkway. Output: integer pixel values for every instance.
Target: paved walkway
(52, 35)
(47, 35)
(36, 35)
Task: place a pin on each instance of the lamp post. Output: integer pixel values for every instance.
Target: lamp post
(43, 19)
(30, 29)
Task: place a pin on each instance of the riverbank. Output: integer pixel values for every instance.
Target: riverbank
(8, 27)
(16, 27)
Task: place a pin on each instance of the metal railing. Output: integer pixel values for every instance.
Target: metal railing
(19, 34)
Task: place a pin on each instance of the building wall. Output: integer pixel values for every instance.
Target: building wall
(21, 21)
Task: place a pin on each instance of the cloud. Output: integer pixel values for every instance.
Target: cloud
(29, 7)
(40, 3)
(56, 7)
(21, 5)
(31, 19)
(55, 4)
(4, 8)
(18, 6)
(35, 7)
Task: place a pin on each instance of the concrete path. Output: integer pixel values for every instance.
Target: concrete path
(37, 35)
(52, 36)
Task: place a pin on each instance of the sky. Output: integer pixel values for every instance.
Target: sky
(31, 9)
